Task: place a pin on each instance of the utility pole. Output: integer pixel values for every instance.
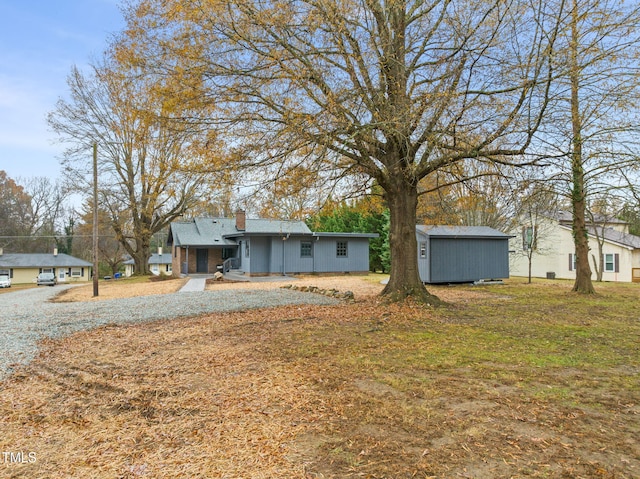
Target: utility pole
(95, 219)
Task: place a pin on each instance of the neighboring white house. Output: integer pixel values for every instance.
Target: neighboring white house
(159, 263)
(553, 253)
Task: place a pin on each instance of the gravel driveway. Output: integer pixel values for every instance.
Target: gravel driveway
(27, 317)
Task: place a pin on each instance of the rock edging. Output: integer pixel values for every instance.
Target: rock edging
(332, 293)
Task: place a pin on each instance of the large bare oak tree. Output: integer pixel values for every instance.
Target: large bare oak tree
(393, 90)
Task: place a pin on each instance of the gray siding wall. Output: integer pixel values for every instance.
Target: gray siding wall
(245, 261)
(272, 255)
(260, 253)
(326, 260)
(467, 259)
(285, 255)
(423, 263)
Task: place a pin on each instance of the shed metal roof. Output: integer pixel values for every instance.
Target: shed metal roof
(460, 231)
(41, 260)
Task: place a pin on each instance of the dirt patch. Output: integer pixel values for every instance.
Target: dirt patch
(361, 286)
(124, 288)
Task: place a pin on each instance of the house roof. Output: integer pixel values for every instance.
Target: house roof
(565, 217)
(260, 226)
(202, 232)
(221, 231)
(41, 260)
(614, 236)
(460, 231)
(155, 258)
(345, 235)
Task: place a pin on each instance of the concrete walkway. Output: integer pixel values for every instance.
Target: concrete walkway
(195, 283)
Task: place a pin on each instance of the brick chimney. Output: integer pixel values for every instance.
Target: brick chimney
(241, 220)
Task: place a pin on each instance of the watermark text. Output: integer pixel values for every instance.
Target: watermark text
(18, 457)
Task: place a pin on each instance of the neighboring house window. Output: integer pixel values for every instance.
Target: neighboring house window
(305, 249)
(528, 238)
(168, 268)
(612, 263)
(341, 249)
(227, 253)
(8, 272)
(572, 262)
(423, 249)
(246, 249)
(154, 268)
(47, 270)
(76, 272)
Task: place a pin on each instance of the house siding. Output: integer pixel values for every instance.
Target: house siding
(260, 255)
(326, 260)
(555, 244)
(272, 255)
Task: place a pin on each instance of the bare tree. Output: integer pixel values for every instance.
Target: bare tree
(394, 90)
(146, 158)
(534, 204)
(594, 126)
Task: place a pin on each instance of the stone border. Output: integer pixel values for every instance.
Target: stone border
(332, 293)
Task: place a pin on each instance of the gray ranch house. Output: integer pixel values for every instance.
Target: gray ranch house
(262, 247)
(461, 254)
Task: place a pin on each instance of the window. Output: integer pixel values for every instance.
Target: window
(341, 249)
(305, 249)
(168, 268)
(572, 262)
(528, 238)
(227, 253)
(76, 272)
(423, 249)
(608, 262)
(612, 263)
(246, 248)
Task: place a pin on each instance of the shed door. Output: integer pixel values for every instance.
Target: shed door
(202, 261)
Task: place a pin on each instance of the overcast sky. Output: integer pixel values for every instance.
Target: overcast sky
(40, 40)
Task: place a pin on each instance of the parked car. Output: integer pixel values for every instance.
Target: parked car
(5, 281)
(46, 279)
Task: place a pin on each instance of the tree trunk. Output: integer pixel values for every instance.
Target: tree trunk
(404, 280)
(583, 282)
(141, 256)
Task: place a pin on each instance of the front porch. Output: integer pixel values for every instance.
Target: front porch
(205, 260)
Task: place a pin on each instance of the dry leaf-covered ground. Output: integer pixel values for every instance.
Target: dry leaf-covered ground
(122, 288)
(509, 381)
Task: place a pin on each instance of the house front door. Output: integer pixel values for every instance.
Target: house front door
(202, 261)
